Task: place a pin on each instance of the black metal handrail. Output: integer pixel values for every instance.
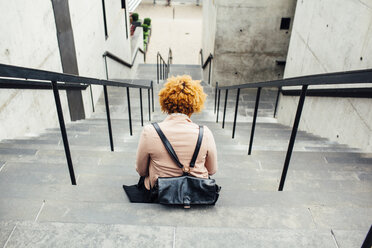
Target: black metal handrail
(39, 85)
(349, 77)
(334, 92)
(119, 60)
(16, 75)
(206, 63)
(11, 71)
(162, 68)
(122, 62)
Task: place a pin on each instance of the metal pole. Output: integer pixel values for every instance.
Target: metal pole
(163, 69)
(152, 95)
(209, 77)
(149, 102)
(108, 117)
(254, 120)
(140, 91)
(129, 113)
(368, 240)
(277, 100)
(157, 67)
(293, 137)
(91, 97)
(218, 104)
(224, 110)
(108, 109)
(160, 68)
(63, 132)
(236, 112)
(215, 97)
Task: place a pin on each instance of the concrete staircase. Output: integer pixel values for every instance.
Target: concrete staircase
(326, 202)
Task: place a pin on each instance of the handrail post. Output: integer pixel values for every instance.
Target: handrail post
(152, 95)
(140, 92)
(129, 113)
(157, 67)
(236, 112)
(293, 137)
(215, 97)
(163, 69)
(277, 100)
(254, 120)
(224, 109)
(210, 66)
(63, 132)
(218, 104)
(160, 68)
(368, 240)
(149, 102)
(91, 96)
(108, 110)
(108, 117)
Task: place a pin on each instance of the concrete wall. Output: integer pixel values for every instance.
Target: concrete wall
(248, 39)
(209, 32)
(28, 38)
(327, 37)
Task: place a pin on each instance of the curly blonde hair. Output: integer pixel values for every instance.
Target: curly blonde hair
(183, 95)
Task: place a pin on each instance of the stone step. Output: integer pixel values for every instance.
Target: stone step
(87, 174)
(114, 193)
(57, 234)
(271, 217)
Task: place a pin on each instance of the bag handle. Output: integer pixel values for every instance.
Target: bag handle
(170, 149)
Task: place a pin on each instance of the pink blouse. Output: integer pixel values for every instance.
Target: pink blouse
(153, 160)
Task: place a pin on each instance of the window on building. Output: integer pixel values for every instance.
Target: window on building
(285, 23)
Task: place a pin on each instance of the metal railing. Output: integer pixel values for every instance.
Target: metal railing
(170, 57)
(119, 60)
(162, 67)
(15, 75)
(206, 63)
(122, 62)
(350, 77)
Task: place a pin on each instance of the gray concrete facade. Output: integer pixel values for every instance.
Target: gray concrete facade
(328, 37)
(245, 39)
(30, 38)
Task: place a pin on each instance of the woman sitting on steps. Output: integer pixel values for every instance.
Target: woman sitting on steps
(180, 98)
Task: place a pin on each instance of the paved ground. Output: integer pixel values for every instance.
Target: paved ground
(178, 27)
(326, 202)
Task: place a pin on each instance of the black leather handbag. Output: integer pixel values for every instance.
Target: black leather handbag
(185, 190)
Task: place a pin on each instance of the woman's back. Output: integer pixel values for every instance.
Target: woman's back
(154, 161)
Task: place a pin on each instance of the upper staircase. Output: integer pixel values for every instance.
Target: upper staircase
(326, 202)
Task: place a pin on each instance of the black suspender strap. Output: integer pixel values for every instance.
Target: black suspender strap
(170, 149)
(167, 145)
(197, 148)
